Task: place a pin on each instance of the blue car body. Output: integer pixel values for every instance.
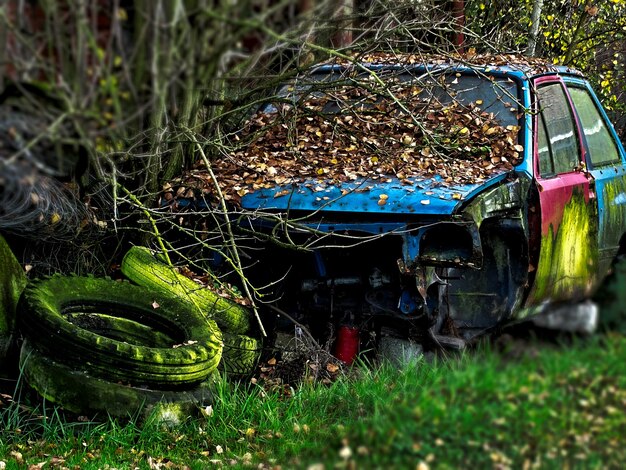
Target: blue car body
(433, 259)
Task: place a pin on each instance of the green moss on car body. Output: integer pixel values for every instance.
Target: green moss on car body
(567, 259)
(613, 219)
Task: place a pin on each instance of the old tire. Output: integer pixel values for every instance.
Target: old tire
(121, 329)
(240, 356)
(44, 308)
(140, 266)
(83, 394)
(12, 282)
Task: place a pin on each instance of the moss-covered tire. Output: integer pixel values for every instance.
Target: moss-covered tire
(12, 282)
(141, 266)
(121, 329)
(44, 308)
(240, 355)
(81, 393)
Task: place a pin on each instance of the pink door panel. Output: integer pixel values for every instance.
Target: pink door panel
(567, 255)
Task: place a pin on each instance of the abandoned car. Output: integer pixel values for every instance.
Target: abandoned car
(428, 202)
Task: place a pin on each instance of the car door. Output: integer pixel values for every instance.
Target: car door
(566, 264)
(605, 161)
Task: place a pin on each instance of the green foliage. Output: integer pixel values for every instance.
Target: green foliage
(589, 36)
(533, 406)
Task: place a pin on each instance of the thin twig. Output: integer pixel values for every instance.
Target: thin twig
(231, 235)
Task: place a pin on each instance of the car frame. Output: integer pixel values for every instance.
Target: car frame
(442, 263)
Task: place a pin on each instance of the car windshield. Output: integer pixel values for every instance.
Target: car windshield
(344, 125)
(336, 92)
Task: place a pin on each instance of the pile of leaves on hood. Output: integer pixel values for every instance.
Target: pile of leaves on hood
(367, 130)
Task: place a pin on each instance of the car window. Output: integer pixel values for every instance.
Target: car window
(543, 150)
(560, 128)
(602, 147)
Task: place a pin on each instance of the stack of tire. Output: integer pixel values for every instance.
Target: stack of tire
(98, 345)
(241, 352)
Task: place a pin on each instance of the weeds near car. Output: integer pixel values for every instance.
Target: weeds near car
(547, 407)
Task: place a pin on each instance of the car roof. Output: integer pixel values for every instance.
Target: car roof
(491, 64)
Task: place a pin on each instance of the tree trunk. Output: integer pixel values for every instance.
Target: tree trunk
(534, 27)
(458, 13)
(343, 13)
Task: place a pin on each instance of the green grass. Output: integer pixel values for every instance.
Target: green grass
(550, 408)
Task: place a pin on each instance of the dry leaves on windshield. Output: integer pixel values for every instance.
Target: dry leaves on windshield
(365, 130)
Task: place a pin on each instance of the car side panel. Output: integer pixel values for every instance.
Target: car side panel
(567, 261)
(611, 189)
(610, 182)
